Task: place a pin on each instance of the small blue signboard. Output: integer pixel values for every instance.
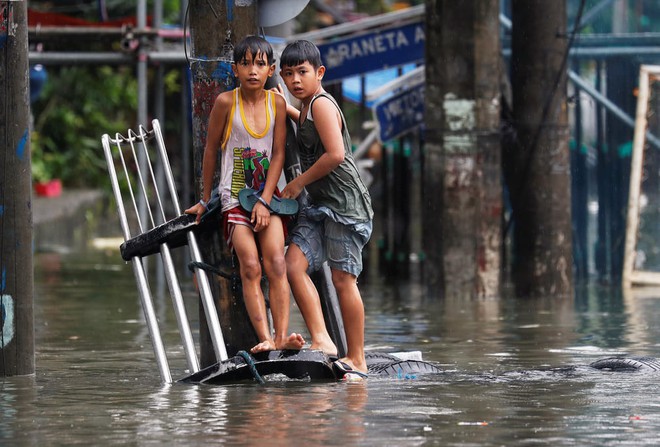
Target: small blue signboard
(373, 51)
(401, 113)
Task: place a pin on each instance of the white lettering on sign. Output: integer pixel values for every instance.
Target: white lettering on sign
(407, 106)
(420, 35)
(6, 320)
(372, 44)
(401, 113)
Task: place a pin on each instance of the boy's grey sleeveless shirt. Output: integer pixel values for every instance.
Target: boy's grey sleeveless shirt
(343, 190)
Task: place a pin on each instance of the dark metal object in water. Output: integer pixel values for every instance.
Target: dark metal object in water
(305, 364)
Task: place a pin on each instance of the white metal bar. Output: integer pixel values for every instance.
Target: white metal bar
(179, 309)
(640, 277)
(413, 77)
(139, 162)
(144, 138)
(207, 301)
(632, 221)
(415, 12)
(169, 178)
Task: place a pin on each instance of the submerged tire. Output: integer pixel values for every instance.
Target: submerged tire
(403, 369)
(627, 364)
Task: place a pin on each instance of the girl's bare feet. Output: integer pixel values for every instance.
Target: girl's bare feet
(293, 341)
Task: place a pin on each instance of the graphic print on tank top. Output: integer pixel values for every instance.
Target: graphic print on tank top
(253, 169)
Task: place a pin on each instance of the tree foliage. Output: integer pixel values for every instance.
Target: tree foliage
(80, 103)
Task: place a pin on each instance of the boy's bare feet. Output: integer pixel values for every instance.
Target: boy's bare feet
(328, 349)
(362, 368)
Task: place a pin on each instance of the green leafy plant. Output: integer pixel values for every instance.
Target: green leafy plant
(80, 103)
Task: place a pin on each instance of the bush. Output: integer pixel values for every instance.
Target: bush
(78, 105)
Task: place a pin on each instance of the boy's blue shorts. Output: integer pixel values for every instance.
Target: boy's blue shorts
(321, 238)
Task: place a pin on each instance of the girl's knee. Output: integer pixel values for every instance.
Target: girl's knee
(276, 266)
(250, 269)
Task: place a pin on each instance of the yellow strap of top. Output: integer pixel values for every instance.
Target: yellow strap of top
(250, 131)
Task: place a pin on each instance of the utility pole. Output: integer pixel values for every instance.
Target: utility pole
(215, 26)
(540, 163)
(16, 277)
(462, 191)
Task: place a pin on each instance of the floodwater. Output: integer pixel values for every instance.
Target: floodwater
(515, 372)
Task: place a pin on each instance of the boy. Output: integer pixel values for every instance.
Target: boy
(338, 222)
(248, 124)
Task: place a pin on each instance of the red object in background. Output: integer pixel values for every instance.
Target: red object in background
(39, 18)
(52, 188)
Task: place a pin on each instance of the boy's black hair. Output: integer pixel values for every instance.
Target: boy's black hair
(255, 45)
(299, 52)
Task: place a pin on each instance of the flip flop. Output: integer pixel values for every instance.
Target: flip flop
(248, 197)
(285, 207)
(345, 372)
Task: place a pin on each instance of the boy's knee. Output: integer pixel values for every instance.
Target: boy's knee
(341, 279)
(292, 268)
(292, 262)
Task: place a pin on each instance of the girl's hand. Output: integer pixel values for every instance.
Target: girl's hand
(197, 209)
(260, 217)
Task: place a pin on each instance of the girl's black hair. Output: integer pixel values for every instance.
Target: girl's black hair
(299, 52)
(255, 45)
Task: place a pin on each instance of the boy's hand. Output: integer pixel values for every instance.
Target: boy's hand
(292, 189)
(260, 217)
(279, 90)
(197, 209)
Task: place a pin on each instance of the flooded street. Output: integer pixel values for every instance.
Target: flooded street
(515, 372)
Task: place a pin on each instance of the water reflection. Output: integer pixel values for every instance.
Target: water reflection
(515, 373)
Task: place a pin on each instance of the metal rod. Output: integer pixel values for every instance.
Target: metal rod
(142, 204)
(167, 169)
(207, 300)
(179, 309)
(414, 12)
(609, 105)
(152, 321)
(39, 32)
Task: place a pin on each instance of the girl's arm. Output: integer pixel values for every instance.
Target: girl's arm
(216, 130)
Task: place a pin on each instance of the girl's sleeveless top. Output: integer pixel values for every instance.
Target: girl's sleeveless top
(343, 190)
(246, 152)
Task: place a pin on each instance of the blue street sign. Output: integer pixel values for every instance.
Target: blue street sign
(373, 51)
(401, 113)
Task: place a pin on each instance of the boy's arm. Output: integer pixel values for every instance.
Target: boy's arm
(291, 111)
(216, 129)
(328, 124)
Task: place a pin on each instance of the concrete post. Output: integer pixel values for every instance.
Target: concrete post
(461, 181)
(16, 277)
(540, 192)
